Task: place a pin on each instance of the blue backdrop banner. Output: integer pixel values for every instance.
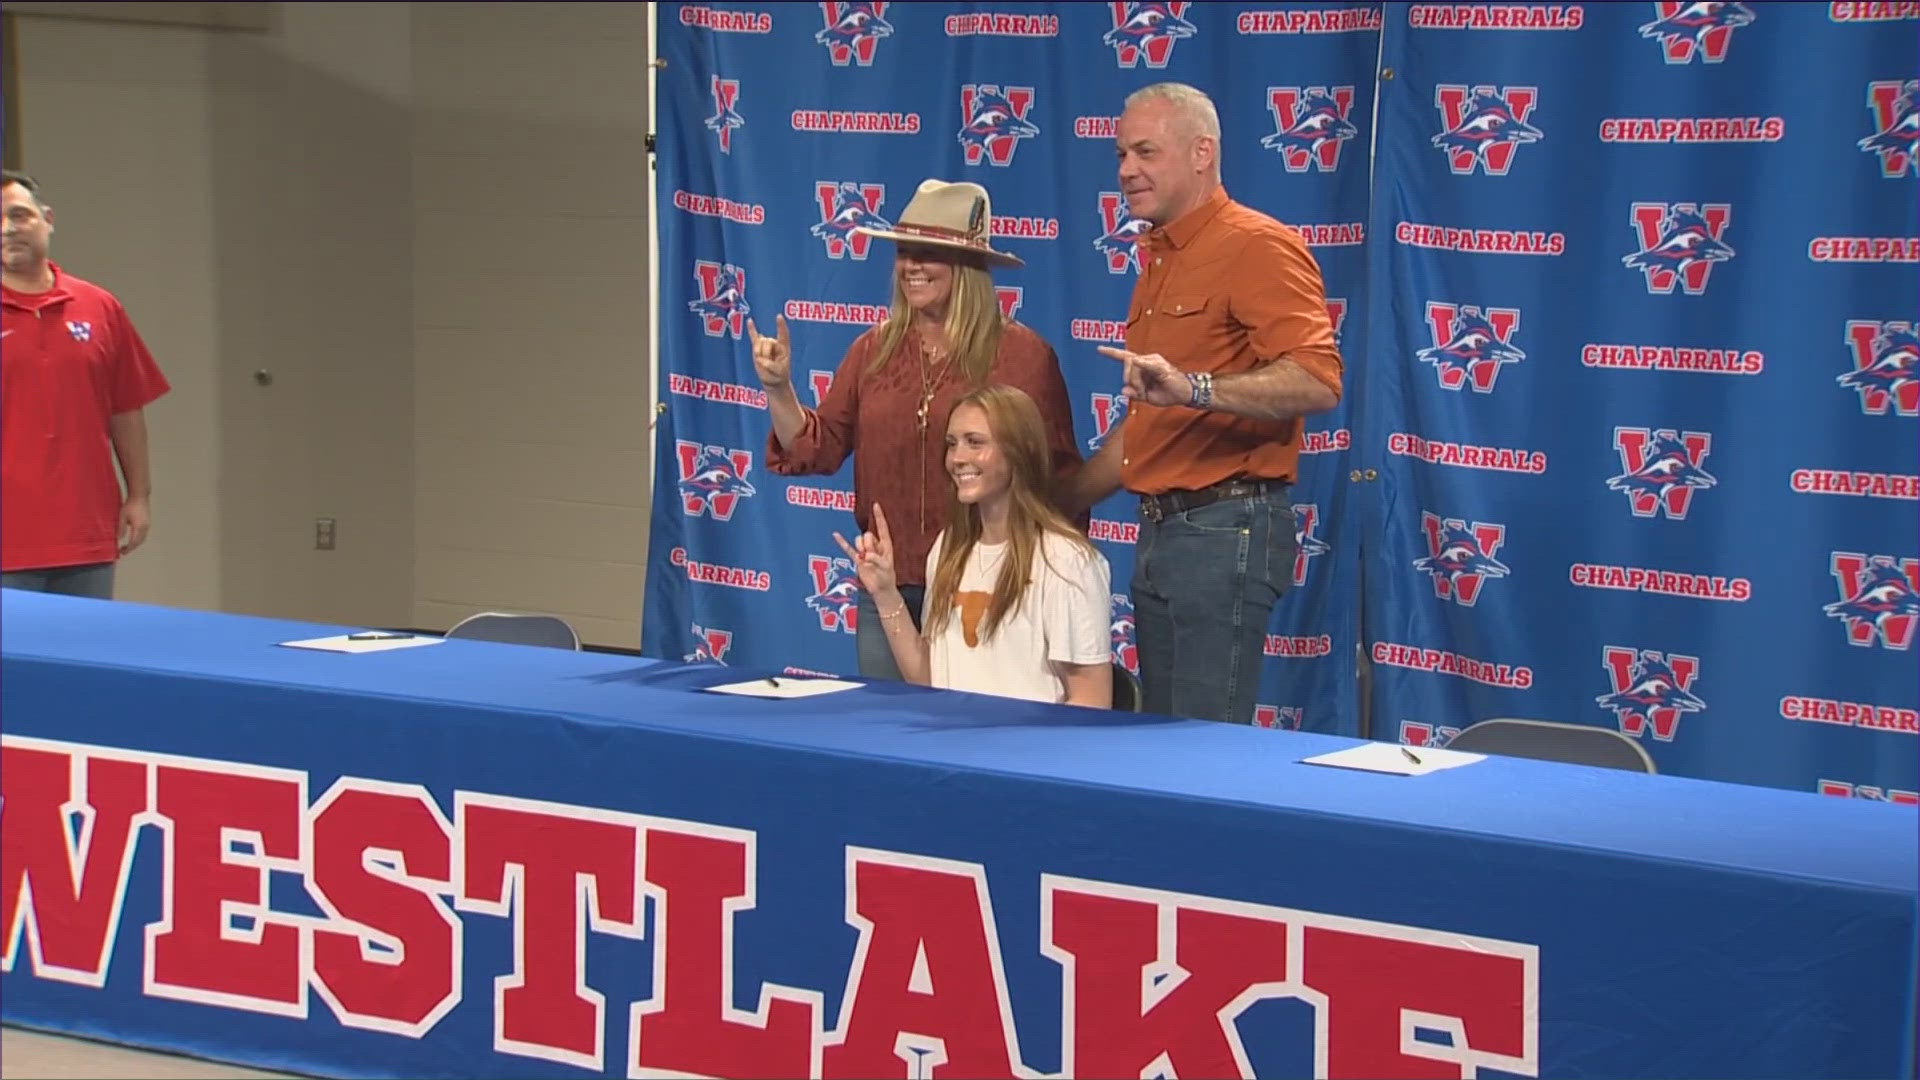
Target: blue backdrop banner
(1626, 293)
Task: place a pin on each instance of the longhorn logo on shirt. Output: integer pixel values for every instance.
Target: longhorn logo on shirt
(1470, 344)
(1460, 557)
(1120, 243)
(996, 121)
(836, 593)
(1309, 125)
(1147, 30)
(713, 479)
(1120, 634)
(853, 30)
(1879, 598)
(1679, 243)
(1662, 469)
(844, 207)
(1886, 366)
(1277, 717)
(726, 116)
(1306, 539)
(1896, 117)
(1109, 411)
(1704, 29)
(710, 645)
(1649, 688)
(722, 305)
(1484, 126)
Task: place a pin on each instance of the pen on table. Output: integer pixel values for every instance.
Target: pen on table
(1410, 755)
(771, 681)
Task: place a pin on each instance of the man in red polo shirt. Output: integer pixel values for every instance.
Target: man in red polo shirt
(74, 379)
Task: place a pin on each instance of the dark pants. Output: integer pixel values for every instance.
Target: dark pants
(94, 581)
(1204, 585)
(876, 656)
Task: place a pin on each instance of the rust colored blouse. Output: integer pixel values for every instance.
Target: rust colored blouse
(898, 465)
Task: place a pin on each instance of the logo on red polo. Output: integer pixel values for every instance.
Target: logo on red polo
(1703, 29)
(1679, 243)
(726, 117)
(1309, 125)
(1649, 688)
(1460, 556)
(1886, 366)
(1120, 243)
(836, 593)
(853, 30)
(1484, 126)
(713, 479)
(710, 644)
(847, 206)
(1306, 539)
(1661, 469)
(1879, 598)
(722, 305)
(996, 121)
(1147, 31)
(1470, 344)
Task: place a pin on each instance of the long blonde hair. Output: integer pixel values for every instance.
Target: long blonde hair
(1020, 438)
(973, 322)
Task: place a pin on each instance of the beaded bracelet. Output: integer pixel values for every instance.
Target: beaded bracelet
(1202, 390)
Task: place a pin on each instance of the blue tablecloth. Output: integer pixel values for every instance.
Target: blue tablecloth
(1662, 926)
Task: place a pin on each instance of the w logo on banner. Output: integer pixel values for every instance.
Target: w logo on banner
(1109, 410)
(1649, 688)
(712, 479)
(853, 30)
(1460, 558)
(844, 207)
(1484, 126)
(1147, 30)
(821, 381)
(996, 122)
(1896, 117)
(1306, 539)
(710, 645)
(1337, 314)
(1120, 634)
(726, 95)
(1415, 734)
(1865, 791)
(722, 305)
(1470, 344)
(1121, 241)
(1684, 30)
(836, 593)
(1879, 599)
(1278, 717)
(1885, 359)
(1662, 470)
(1309, 125)
(1679, 243)
(1010, 297)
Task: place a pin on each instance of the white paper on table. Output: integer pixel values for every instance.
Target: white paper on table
(1393, 758)
(345, 643)
(785, 687)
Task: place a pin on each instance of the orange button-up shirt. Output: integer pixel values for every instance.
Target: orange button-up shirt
(1225, 289)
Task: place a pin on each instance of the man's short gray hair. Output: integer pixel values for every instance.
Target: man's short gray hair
(1194, 106)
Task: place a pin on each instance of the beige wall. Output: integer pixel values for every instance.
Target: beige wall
(428, 223)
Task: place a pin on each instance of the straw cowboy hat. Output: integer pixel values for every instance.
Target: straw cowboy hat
(956, 216)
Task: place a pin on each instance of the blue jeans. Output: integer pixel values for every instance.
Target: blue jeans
(876, 656)
(94, 581)
(1204, 585)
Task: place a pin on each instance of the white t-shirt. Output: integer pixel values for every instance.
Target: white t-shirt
(1064, 616)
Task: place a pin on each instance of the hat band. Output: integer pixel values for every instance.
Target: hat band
(940, 232)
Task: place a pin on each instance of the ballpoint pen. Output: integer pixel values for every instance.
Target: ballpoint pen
(1410, 755)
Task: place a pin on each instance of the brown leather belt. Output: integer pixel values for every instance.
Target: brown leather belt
(1156, 507)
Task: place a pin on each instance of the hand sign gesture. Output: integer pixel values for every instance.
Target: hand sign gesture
(872, 556)
(772, 356)
(1151, 378)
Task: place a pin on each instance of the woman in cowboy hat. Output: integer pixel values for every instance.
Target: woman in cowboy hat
(944, 337)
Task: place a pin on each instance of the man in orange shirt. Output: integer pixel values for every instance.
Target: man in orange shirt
(1229, 346)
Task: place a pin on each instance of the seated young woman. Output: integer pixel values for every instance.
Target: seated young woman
(1017, 600)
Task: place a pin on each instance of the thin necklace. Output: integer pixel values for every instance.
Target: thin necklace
(930, 379)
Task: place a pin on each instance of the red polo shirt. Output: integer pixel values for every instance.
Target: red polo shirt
(70, 360)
